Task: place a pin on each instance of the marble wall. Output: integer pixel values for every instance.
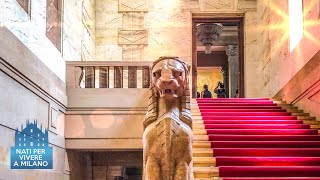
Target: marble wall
(144, 30)
(30, 28)
(290, 76)
(26, 94)
(277, 64)
(252, 74)
(79, 30)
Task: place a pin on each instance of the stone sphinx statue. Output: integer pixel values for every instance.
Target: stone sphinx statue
(167, 137)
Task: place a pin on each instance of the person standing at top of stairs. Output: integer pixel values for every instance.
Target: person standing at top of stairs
(206, 93)
(220, 90)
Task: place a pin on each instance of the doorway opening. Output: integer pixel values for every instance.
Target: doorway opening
(223, 61)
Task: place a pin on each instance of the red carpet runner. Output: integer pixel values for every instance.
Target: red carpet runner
(256, 139)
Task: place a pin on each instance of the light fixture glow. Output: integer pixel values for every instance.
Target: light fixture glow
(295, 22)
(207, 49)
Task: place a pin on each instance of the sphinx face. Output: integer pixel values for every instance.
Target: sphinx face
(169, 78)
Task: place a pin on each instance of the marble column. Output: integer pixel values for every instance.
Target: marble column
(233, 61)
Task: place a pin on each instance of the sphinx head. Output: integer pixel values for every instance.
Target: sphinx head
(169, 77)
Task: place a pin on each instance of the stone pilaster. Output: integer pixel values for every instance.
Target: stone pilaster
(233, 61)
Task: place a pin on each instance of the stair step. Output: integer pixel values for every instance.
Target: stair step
(293, 110)
(265, 144)
(202, 152)
(269, 171)
(306, 118)
(299, 114)
(250, 118)
(253, 139)
(287, 106)
(257, 126)
(204, 161)
(199, 132)
(205, 172)
(298, 152)
(263, 131)
(262, 137)
(313, 122)
(201, 144)
(200, 138)
(260, 161)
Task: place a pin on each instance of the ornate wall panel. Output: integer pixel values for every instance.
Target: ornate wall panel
(132, 6)
(127, 36)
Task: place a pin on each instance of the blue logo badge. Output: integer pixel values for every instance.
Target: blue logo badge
(31, 150)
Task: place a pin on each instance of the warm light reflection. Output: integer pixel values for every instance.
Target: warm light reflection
(281, 26)
(295, 22)
(168, 3)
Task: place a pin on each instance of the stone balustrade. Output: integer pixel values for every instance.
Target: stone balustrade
(102, 74)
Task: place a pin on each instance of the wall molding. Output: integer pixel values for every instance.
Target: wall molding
(27, 83)
(308, 91)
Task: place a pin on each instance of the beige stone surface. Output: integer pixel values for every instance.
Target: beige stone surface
(128, 36)
(32, 85)
(105, 143)
(73, 29)
(105, 35)
(21, 103)
(303, 90)
(107, 6)
(104, 126)
(217, 5)
(107, 98)
(79, 30)
(108, 52)
(18, 55)
(31, 32)
(109, 20)
(133, 52)
(6, 173)
(253, 76)
(133, 20)
(278, 64)
(132, 5)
